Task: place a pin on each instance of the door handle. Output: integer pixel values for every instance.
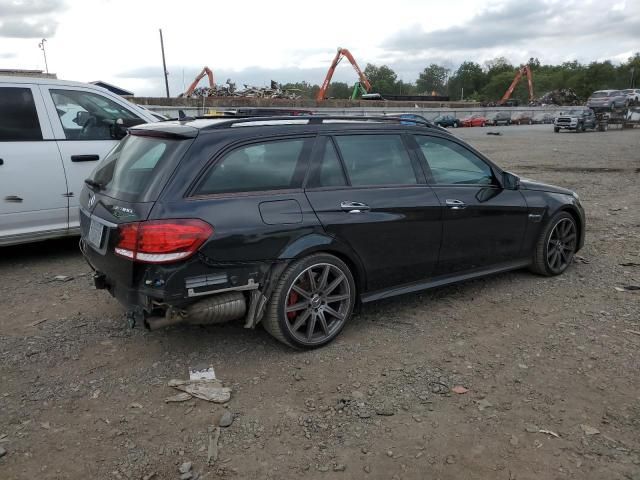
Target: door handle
(85, 158)
(1, 161)
(13, 199)
(354, 207)
(454, 204)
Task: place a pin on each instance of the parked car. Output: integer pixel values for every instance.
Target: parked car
(52, 133)
(497, 118)
(607, 99)
(292, 223)
(412, 119)
(633, 95)
(578, 119)
(522, 118)
(543, 117)
(476, 120)
(447, 121)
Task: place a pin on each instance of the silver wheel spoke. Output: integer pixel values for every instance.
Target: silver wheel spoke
(300, 320)
(312, 280)
(296, 306)
(332, 286)
(311, 325)
(323, 323)
(323, 278)
(333, 313)
(301, 291)
(337, 298)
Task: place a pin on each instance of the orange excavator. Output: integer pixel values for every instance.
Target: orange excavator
(342, 52)
(205, 71)
(526, 70)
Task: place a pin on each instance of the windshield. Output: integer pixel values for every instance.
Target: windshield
(137, 168)
(600, 94)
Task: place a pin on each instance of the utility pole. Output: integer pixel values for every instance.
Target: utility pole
(44, 52)
(164, 65)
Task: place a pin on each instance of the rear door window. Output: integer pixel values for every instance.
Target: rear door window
(18, 116)
(272, 165)
(376, 160)
(138, 167)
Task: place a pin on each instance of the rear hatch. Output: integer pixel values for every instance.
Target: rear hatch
(122, 190)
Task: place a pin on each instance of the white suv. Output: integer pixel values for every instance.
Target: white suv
(633, 95)
(52, 133)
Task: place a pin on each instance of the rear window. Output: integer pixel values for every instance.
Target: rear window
(272, 165)
(18, 116)
(600, 94)
(138, 167)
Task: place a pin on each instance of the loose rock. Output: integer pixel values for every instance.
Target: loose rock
(226, 420)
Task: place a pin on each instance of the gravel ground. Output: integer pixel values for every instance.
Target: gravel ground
(550, 364)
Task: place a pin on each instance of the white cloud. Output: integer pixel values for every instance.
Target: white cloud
(250, 42)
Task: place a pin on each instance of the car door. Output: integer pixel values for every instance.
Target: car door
(483, 224)
(33, 186)
(82, 122)
(368, 191)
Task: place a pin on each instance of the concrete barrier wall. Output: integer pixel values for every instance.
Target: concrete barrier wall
(428, 112)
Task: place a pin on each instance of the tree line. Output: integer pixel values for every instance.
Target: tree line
(488, 82)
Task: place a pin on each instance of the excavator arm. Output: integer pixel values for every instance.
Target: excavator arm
(205, 71)
(526, 70)
(342, 52)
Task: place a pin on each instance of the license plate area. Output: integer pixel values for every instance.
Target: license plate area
(96, 234)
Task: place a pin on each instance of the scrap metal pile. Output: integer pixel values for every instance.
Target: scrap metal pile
(229, 89)
(562, 97)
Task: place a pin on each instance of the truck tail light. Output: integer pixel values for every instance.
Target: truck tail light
(161, 241)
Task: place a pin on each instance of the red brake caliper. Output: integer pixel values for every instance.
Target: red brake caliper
(292, 300)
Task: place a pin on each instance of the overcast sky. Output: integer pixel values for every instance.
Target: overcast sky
(255, 41)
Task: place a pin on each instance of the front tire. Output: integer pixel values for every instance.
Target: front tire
(556, 129)
(556, 245)
(312, 302)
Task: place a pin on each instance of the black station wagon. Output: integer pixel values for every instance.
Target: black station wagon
(291, 223)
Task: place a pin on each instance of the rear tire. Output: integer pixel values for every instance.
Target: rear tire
(556, 245)
(313, 300)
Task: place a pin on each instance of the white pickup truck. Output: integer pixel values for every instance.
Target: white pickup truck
(52, 134)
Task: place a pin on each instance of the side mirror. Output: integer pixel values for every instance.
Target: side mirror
(120, 127)
(510, 181)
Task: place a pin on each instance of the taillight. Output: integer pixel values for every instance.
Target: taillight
(162, 241)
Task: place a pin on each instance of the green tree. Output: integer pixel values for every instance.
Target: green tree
(383, 79)
(339, 90)
(468, 77)
(433, 78)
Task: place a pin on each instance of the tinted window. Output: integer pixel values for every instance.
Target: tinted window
(259, 166)
(87, 116)
(452, 164)
(138, 167)
(329, 172)
(18, 116)
(376, 160)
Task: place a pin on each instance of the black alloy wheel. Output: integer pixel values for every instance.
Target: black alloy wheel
(312, 302)
(556, 246)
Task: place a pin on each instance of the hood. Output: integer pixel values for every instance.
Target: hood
(528, 184)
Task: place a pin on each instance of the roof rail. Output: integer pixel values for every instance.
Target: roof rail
(316, 120)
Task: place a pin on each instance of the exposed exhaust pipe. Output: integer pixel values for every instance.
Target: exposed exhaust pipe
(221, 308)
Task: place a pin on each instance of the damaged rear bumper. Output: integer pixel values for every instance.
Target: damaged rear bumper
(170, 289)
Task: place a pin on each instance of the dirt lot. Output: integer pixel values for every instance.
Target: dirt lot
(551, 364)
